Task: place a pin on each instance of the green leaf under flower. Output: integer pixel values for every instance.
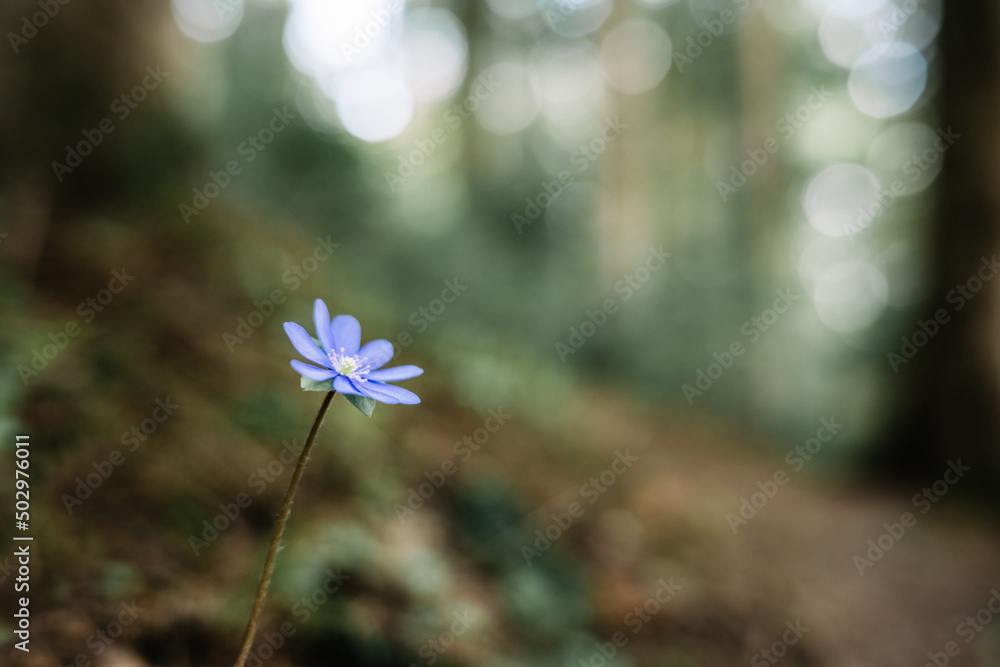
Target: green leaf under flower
(313, 385)
(363, 403)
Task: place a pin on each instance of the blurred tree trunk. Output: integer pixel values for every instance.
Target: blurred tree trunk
(951, 394)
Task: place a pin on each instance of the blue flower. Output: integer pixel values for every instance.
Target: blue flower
(354, 368)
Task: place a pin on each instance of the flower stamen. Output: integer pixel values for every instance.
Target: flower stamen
(351, 366)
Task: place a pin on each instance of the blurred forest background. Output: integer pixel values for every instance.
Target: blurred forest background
(698, 234)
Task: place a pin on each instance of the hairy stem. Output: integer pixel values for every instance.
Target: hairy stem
(279, 529)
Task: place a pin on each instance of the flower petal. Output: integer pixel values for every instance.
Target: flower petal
(321, 315)
(303, 342)
(311, 372)
(345, 386)
(374, 390)
(395, 374)
(377, 352)
(380, 391)
(346, 334)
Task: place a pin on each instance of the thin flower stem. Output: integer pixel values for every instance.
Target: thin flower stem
(272, 552)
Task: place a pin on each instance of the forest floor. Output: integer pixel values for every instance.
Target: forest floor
(639, 553)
